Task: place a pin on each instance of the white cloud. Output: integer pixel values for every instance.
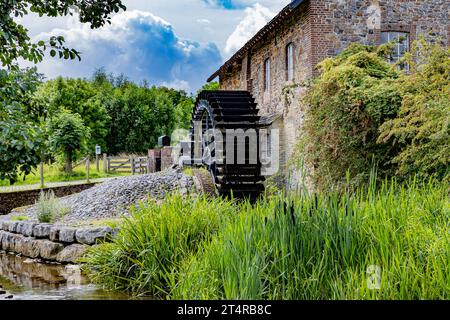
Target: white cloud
(140, 45)
(256, 17)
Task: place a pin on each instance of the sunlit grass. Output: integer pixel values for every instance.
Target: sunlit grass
(54, 173)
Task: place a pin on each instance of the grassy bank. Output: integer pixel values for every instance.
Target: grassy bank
(53, 173)
(390, 242)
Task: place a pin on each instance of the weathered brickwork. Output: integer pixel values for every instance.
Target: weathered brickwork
(337, 23)
(320, 29)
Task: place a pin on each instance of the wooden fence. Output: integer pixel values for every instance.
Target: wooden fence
(132, 164)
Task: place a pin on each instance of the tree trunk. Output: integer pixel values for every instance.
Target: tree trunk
(68, 165)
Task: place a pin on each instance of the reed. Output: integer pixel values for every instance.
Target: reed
(390, 241)
(145, 256)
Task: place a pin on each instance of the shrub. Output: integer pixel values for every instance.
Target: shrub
(346, 105)
(49, 208)
(422, 128)
(363, 110)
(145, 256)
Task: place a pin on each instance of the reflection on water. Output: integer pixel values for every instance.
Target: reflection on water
(28, 280)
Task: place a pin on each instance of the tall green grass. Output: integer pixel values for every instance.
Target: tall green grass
(145, 257)
(303, 246)
(321, 247)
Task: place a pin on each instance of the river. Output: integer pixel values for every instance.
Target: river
(26, 279)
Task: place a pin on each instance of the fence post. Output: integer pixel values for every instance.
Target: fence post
(41, 171)
(132, 165)
(104, 162)
(88, 167)
(148, 164)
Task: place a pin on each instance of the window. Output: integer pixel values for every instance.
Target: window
(267, 75)
(290, 62)
(401, 45)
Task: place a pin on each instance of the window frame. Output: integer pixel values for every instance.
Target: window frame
(406, 44)
(267, 74)
(290, 61)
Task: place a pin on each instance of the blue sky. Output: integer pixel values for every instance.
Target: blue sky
(177, 43)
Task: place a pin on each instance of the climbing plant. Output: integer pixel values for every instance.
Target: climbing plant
(353, 96)
(422, 128)
(362, 111)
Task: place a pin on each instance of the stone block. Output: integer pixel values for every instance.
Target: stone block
(48, 250)
(92, 235)
(25, 228)
(67, 235)
(42, 230)
(72, 253)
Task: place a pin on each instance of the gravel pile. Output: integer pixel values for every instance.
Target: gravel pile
(112, 199)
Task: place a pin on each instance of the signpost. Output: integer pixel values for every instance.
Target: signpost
(98, 152)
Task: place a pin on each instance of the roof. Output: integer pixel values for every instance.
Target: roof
(274, 23)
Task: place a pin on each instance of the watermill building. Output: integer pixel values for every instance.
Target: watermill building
(275, 63)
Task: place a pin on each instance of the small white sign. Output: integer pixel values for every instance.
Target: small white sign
(98, 150)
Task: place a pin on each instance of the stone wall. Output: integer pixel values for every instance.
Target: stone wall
(337, 23)
(17, 199)
(48, 241)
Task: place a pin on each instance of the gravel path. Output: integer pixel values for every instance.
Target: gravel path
(112, 199)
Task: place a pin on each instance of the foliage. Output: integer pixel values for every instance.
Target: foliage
(67, 136)
(320, 247)
(422, 127)
(346, 105)
(49, 208)
(15, 42)
(210, 86)
(145, 256)
(21, 129)
(78, 96)
(140, 114)
(304, 246)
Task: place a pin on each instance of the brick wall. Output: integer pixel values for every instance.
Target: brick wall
(337, 23)
(12, 200)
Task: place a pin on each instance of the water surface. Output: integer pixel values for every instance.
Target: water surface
(26, 279)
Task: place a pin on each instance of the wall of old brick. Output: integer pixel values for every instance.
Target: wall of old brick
(12, 200)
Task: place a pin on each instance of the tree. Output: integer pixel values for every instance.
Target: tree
(15, 42)
(68, 135)
(82, 97)
(210, 86)
(21, 124)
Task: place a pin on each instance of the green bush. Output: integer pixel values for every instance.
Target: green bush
(361, 110)
(346, 105)
(49, 208)
(422, 128)
(145, 256)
